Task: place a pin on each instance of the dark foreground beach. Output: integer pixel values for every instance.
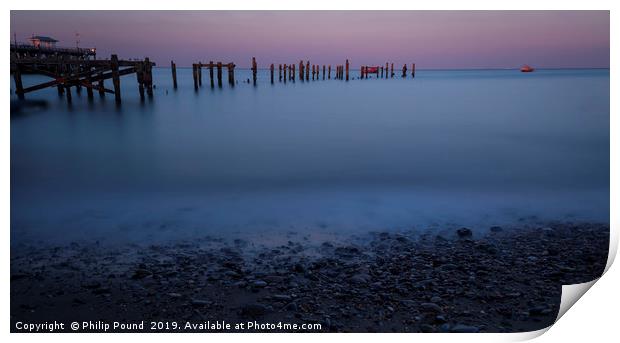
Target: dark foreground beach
(455, 280)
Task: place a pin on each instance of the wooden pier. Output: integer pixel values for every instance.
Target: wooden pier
(67, 71)
(77, 68)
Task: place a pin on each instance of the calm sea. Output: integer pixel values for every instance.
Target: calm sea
(472, 148)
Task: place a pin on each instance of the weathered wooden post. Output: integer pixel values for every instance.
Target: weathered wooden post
(19, 86)
(140, 79)
(284, 69)
(254, 70)
(381, 71)
(392, 70)
(174, 74)
(195, 76)
(219, 74)
(313, 72)
(89, 81)
(329, 72)
(413, 70)
(301, 70)
(199, 74)
(148, 77)
(293, 73)
(347, 70)
(387, 70)
(68, 92)
(308, 71)
(231, 74)
(211, 74)
(101, 85)
(59, 87)
(78, 86)
(271, 70)
(116, 80)
(404, 70)
(280, 72)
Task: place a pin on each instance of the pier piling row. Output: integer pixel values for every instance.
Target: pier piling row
(197, 73)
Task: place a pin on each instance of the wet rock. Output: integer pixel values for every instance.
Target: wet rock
(200, 302)
(92, 285)
(281, 297)
(291, 307)
(496, 229)
(464, 233)
(259, 284)
(539, 310)
(141, 273)
(101, 290)
(299, 268)
(253, 310)
(360, 278)
(430, 307)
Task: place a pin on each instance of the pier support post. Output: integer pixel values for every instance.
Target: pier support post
(254, 70)
(329, 72)
(280, 72)
(387, 70)
(271, 70)
(101, 85)
(211, 74)
(293, 72)
(59, 87)
(231, 74)
(413, 70)
(301, 70)
(89, 89)
(195, 76)
(308, 71)
(68, 92)
(116, 80)
(219, 74)
(19, 86)
(174, 74)
(199, 74)
(284, 70)
(392, 70)
(404, 71)
(140, 79)
(347, 69)
(148, 77)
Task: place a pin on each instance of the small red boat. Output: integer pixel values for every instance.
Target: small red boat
(527, 69)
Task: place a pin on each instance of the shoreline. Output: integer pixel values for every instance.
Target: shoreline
(503, 280)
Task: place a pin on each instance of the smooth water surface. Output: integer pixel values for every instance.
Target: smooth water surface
(476, 148)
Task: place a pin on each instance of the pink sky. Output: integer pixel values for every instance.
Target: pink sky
(431, 39)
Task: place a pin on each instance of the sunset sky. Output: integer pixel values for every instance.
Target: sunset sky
(431, 39)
